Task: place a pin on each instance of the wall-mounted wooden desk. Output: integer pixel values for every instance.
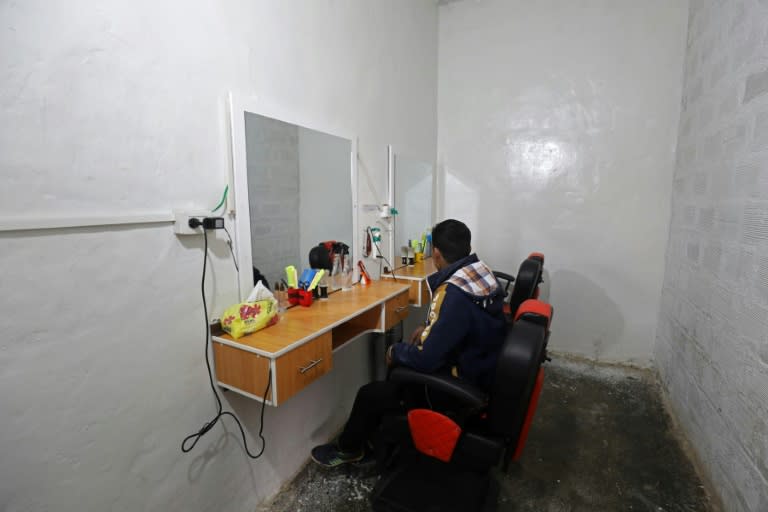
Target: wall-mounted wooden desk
(299, 348)
(416, 277)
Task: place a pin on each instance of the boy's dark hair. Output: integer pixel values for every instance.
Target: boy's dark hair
(453, 238)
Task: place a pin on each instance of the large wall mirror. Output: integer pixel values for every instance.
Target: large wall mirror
(412, 183)
(294, 187)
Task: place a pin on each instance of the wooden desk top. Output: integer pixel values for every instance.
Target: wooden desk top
(300, 324)
(419, 271)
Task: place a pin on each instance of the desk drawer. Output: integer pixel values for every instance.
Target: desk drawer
(395, 310)
(296, 369)
(242, 370)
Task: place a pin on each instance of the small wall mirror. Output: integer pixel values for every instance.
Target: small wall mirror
(412, 182)
(294, 188)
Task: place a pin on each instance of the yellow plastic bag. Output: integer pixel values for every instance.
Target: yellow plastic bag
(249, 317)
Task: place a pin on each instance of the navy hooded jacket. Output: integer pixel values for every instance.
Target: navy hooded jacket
(465, 326)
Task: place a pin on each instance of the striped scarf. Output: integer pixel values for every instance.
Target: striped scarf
(475, 279)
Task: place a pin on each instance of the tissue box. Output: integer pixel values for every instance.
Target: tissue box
(249, 317)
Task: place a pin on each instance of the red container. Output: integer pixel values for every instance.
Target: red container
(293, 296)
(305, 298)
(297, 296)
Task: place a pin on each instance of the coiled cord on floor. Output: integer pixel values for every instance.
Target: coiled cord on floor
(194, 438)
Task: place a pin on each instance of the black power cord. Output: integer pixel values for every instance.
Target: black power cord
(194, 438)
(381, 255)
(231, 249)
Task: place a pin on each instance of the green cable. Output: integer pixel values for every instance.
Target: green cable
(223, 198)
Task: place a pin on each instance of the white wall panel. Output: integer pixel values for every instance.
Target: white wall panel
(712, 344)
(557, 128)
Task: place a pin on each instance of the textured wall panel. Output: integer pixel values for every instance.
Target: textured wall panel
(713, 327)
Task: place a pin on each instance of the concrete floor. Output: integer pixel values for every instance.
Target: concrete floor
(601, 441)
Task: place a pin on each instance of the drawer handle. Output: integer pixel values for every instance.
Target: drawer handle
(311, 365)
(401, 309)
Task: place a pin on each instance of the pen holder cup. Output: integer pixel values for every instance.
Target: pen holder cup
(305, 298)
(297, 296)
(293, 296)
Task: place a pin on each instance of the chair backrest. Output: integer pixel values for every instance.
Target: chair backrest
(526, 284)
(516, 372)
(537, 256)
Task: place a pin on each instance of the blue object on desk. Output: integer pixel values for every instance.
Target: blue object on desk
(307, 275)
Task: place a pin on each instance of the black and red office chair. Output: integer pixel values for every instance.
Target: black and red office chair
(526, 285)
(445, 460)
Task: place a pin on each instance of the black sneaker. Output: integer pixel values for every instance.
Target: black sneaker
(330, 456)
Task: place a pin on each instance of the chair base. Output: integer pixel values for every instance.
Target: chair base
(424, 484)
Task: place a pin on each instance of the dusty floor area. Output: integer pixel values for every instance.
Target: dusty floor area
(601, 441)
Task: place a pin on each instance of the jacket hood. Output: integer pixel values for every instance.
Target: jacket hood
(470, 275)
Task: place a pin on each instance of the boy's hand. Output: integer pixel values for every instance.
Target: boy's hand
(416, 335)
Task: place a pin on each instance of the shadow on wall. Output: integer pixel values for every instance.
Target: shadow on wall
(229, 440)
(587, 321)
(496, 239)
(461, 200)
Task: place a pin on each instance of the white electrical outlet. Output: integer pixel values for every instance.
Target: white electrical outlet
(181, 221)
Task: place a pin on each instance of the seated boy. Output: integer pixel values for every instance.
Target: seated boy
(463, 335)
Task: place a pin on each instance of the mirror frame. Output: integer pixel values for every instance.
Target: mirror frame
(392, 199)
(238, 190)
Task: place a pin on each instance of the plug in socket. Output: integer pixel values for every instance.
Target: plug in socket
(181, 221)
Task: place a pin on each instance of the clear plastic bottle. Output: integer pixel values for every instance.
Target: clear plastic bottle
(346, 272)
(335, 280)
(280, 291)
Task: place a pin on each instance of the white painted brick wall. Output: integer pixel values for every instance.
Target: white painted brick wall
(712, 345)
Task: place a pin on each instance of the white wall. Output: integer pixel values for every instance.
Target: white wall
(557, 129)
(712, 345)
(122, 106)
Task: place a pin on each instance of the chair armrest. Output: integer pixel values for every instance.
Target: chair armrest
(504, 275)
(467, 394)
